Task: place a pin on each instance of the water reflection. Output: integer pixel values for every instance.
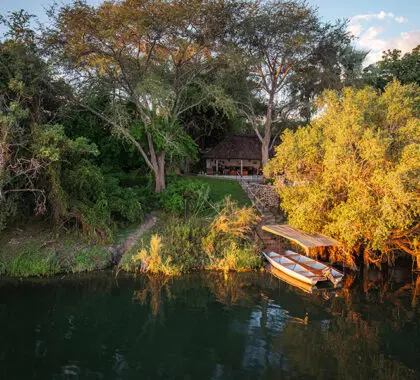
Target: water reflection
(209, 325)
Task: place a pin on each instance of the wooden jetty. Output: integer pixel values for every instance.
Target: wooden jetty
(301, 267)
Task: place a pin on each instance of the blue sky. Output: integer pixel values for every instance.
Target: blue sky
(378, 24)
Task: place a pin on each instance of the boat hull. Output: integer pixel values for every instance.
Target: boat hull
(302, 267)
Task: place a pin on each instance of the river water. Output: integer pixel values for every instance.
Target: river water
(209, 326)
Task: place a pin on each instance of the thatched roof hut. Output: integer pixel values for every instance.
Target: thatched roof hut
(235, 154)
(245, 147)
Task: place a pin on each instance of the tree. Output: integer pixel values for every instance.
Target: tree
(28, 98)
(151, 57)
(404, 68)
(287, 47)
(354, 172)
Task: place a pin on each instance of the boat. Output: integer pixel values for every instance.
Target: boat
(298, 266)
(303, 268)
(304, 286)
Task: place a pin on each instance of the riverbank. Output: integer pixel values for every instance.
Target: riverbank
(197, 229)
(37, 250)
(225, 241)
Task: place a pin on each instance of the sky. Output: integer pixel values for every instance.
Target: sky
(378, 25)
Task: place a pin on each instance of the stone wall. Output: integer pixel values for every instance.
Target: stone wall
(266, 194)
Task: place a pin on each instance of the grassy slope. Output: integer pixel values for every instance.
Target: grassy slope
(37, 250)
(219, 188)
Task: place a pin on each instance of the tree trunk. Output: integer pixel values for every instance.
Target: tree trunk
(159, 172)
(265, 143)
(264, 151)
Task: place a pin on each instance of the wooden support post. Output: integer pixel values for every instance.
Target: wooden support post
(242, 167)
(217, 166)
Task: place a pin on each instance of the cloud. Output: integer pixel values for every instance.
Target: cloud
(356, 27)
(371, 16)
(405, 41)
(370, 37)
(401, 19)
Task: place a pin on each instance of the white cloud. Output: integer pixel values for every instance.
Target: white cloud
(371, 16)
(401, 19)
(405, 42)
(370, 37)
(355, 25)
(355, 29)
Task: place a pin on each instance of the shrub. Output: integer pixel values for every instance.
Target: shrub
(152, 260)
(230, 224)
(186, 195)
(238, 257)
(355, 172)
(183, 245)
(97, 201)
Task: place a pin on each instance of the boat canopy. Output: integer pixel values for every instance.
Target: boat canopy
(305, 240)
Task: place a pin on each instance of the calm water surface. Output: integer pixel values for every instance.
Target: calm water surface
(208, 326)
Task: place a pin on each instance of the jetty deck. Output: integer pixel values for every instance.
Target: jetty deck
(307, 241)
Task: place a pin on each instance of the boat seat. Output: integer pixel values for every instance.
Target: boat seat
(287, 264)
(305, 271)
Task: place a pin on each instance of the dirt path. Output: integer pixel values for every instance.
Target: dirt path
(133, 237)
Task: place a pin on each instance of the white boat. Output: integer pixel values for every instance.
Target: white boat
(302, 267)
(299, 266)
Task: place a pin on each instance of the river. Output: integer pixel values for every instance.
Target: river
(208, 326)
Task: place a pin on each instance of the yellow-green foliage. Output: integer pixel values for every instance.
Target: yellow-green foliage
(228, 243)
(354, 171)
(183, 245)
(152, 261)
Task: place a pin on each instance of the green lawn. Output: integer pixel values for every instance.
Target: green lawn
(219, 188)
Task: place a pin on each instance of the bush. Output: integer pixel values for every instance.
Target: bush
(355, 172)
(153, 261)
(182, 245)
(228, 243)
(185, 195)
(97, 201)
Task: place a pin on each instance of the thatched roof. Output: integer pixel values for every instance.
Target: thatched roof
(242, 147)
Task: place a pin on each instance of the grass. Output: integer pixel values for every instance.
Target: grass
(219, 188)
(179, 245)
(36, 250)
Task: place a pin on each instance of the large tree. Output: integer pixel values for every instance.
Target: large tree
(292, 56)
(152, 57)
(354, 172)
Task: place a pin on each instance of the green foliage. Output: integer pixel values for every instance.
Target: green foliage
(394, 66)
(353, 172)
(183, 245)
(30, 261)
(152, 85)
(185, 195)
(228, 243)
(89, 259)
